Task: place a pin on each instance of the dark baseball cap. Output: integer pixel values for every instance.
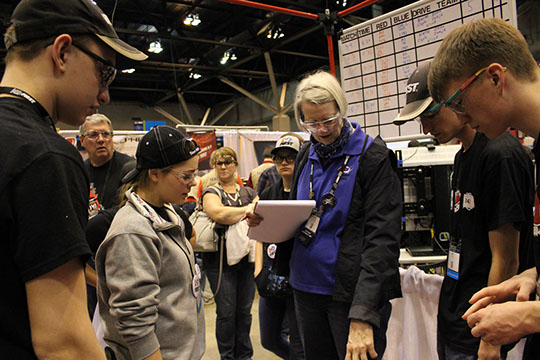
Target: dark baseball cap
(418, 97)
(161, 147)
(40, 19)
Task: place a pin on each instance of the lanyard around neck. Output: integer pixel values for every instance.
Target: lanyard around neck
(329, 199)
(23, 95)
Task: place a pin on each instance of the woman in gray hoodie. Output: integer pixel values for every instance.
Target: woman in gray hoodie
(148, 281)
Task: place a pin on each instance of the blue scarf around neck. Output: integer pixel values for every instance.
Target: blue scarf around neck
(326, 151)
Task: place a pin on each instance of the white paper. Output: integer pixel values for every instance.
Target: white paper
(282, 218)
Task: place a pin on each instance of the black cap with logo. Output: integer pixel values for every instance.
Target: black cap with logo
(40, 19)
(161, 147)
(418, 97)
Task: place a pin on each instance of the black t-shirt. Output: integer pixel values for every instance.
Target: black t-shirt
(105, 181)
(99, 225)
(245, 197)
(43, 213)
(492, 186)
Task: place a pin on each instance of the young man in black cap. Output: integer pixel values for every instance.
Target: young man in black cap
(492, 200)
(60, 61)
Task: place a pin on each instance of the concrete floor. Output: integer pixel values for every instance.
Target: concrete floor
(212, 353)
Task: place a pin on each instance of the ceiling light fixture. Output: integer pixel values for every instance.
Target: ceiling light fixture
(192, 20)
(195, 76)
(155, 47)
(275, 33)
(228, 55)
(128, 71)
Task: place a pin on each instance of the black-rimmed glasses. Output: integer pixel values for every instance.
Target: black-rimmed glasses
(278, 159)
(106, 69)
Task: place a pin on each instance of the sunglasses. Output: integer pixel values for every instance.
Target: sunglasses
(94, 135)
(106, 69)
(226, 163)
(277, 159)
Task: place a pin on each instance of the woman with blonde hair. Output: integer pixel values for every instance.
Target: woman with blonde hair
(233, 285)
(344, 259)
(148, 281)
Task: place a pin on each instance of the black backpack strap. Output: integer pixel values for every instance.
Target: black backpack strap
(301, 160)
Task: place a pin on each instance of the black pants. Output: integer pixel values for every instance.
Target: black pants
(324, 326)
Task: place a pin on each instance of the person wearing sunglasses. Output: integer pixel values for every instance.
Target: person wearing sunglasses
(491, 221)
(505, 94)
(43, 184)
(150, 303)
(344, 260)
(276, 303)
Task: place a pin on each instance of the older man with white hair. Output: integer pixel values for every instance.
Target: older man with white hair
(104, 164)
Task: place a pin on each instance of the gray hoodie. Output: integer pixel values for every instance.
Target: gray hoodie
(145, 269)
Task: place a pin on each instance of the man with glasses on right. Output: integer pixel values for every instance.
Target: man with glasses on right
(491, 230)
(485, 73)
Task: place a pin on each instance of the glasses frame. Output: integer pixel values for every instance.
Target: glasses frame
(182, 176)
(227, 163)
(96, 133)
(314, 125)
(449, 103)
(107, 71)
(286, 158)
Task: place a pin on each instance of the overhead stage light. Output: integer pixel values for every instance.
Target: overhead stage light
(155, 47)
(192, 20)
(228, 55)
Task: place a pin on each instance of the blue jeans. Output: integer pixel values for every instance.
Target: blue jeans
(233, 309)
(279, 330)
(324, 324)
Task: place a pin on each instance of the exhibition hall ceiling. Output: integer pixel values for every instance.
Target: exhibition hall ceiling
(204, 51)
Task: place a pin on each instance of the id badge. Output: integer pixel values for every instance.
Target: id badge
(313, 223)
(453, 262)
(308, 231)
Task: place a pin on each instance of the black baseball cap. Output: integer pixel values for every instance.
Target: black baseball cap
(161, 147)
(40, 19)
(418, 97)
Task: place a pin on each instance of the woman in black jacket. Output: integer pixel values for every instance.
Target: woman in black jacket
(276, 304)
(344, 261)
